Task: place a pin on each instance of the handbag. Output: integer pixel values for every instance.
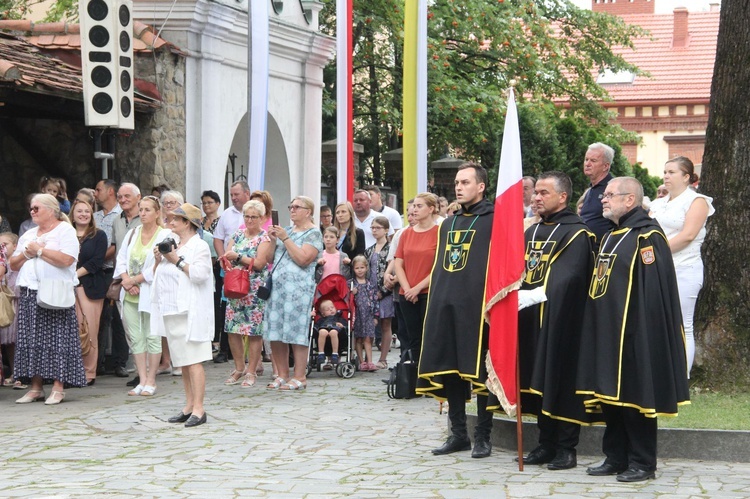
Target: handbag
(7, 313)
(236, 283)
(113, 291)
(83, 332)
(115, 287)
(264, 290)
(54, 294)
(403, 381)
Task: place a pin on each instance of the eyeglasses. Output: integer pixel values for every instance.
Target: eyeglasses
(250, 217)
(295, 207)
(170, 203)
(373, 227)
(326, 216)
(34, 209)
(610, 195)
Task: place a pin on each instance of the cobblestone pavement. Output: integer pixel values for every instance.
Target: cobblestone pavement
(338, 438)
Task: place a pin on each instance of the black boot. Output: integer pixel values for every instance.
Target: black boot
(453, 444)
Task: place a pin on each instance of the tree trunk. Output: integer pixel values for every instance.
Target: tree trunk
(723, 311)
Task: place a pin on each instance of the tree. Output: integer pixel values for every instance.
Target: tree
(475, 47)
(60, 10)
(722, 314)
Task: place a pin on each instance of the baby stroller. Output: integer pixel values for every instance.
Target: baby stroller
(334, 288)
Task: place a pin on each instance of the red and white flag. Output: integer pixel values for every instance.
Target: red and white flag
(506, 267)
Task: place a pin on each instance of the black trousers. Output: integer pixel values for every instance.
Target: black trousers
(457, 392)
(557, 435)
(630, 438)
(413, 314)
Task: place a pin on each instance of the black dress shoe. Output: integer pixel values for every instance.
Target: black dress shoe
(220, 358)
(540, 455)
(635, 475)
(606, 469)
(453, 444)
(195, 421)
(121, 372)
(91, 382)
(134, 382)
(180, 418)
(564, 460)
(482, 448)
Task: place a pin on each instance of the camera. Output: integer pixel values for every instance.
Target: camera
(166, 246)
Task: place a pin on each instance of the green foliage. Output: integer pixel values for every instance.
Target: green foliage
(551, 141)
(650, 182)
(61, 10)
(552, 49)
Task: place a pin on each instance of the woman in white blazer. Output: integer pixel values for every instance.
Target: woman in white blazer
(181, 297)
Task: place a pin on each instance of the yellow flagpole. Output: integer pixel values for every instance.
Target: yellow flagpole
(410, 101)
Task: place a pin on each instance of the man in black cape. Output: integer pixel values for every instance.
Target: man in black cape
(559, 257)
(455, 334)
(632, 362)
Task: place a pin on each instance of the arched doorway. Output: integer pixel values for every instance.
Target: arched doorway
(277, 180)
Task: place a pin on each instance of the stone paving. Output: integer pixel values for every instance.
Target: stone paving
(338, 438)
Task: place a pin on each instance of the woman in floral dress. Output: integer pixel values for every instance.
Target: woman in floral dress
(251, 249)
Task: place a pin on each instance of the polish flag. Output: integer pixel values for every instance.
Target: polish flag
(506, 266)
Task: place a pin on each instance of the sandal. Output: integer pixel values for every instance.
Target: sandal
(293, 385)
(148, 391)
(31, 396)
(234, 377)
(249, 380)
(55, 398)
(382, 364)
(19, 386)
(136, 391)
(276, 384)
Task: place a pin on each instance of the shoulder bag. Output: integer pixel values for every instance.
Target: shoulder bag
(7, 313)
(113, 291)
(83, 332)
(54, 294)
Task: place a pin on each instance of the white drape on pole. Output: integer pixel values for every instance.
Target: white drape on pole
(257, 94)
(343, 124)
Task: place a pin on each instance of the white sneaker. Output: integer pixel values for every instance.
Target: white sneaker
(396, 343)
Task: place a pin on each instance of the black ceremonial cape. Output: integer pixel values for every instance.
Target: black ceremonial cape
(559, 257)
(455, 334)
(633, 345)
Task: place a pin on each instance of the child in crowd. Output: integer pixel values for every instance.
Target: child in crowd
(333, 260)
(57, 188)
(8, 243)
(366, 315)
(328, 326)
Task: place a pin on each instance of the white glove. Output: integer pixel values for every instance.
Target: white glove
(529, 297)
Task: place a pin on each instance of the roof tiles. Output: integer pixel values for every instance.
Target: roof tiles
(675, 73)
(45, 57)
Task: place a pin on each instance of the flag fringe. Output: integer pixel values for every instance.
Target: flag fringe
(502, 294)
(493, 384)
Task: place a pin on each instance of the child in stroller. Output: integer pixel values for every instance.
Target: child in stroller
(329, 326)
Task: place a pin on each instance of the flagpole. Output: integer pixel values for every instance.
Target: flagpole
(519, 421)
(344, 125)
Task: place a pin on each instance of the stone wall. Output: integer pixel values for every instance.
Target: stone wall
(154, 153)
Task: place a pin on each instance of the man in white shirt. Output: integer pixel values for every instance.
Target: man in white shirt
(364, 215)
(230, 221)
(376, 204)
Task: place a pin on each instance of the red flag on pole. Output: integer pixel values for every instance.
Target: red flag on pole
(506, 267)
